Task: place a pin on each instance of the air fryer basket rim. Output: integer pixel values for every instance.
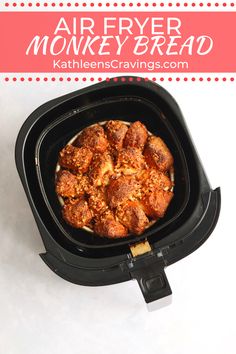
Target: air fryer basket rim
(149, 268)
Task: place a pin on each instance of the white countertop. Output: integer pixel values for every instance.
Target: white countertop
(41, 313)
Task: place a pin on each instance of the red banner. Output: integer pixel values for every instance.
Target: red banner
(117, 42)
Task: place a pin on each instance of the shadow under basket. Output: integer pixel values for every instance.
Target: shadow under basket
(82, 257)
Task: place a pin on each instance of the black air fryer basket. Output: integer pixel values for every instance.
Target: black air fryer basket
(82, 257)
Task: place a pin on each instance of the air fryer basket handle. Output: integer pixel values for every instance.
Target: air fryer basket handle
(152, 282)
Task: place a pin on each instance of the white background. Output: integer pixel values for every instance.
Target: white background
(41, 313)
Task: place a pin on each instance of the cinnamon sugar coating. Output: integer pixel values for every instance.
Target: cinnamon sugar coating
(115, 179)
(75, 159)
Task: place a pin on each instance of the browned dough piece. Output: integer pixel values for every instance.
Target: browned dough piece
(122, 189)
(77, 213)
(136, 136)
(101, 169)
(66, 184)
(130, 161)
(156, 203)
(98, 201)
(152, 179)
(108, 226)
(116, 131)
(157, 154)
(133, 217)
(75, 159)
(93, 137)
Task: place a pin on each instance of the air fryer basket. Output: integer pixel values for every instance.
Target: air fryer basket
(51, 141)
(80, 256)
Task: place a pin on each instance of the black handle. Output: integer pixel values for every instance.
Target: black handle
(152, 281)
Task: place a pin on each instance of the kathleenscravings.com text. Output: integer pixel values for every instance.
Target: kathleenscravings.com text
(116, 64)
